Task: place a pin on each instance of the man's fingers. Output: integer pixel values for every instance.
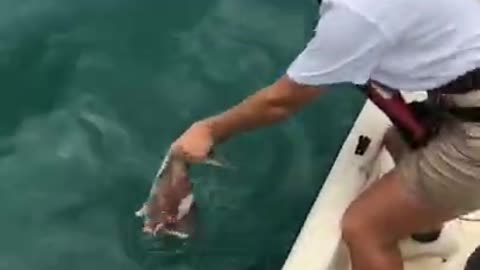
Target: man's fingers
(180, 152)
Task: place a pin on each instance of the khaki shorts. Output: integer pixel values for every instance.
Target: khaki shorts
(446, 173)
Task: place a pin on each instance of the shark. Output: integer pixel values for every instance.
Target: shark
(170, 208)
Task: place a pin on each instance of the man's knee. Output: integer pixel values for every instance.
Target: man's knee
(354, 227)
(358, 229)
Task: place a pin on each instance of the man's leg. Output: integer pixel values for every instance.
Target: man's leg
(382, 216)
(398, 148)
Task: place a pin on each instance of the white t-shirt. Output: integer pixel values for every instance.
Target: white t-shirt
(405, 44)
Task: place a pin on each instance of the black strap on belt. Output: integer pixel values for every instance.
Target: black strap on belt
(461, 85)
(465, 114)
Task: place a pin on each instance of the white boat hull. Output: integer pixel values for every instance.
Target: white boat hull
(319, 245)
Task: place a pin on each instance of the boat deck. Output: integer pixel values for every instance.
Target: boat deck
(463, 238)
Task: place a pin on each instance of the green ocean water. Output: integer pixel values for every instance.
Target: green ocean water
(93, 93)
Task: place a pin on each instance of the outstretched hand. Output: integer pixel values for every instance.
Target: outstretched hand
(195, 144)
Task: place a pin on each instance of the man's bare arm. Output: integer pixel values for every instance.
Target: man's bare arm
(265, 107)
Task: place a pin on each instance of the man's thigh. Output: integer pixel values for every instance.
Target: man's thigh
(446, 172)
(388, 210)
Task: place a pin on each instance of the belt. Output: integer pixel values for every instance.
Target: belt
(419, 122)
(465, 114)
(465, 83)
(464, 107)
(459, 98)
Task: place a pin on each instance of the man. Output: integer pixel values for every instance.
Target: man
(403, 44)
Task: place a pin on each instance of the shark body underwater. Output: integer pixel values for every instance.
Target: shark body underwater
(170, 208)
